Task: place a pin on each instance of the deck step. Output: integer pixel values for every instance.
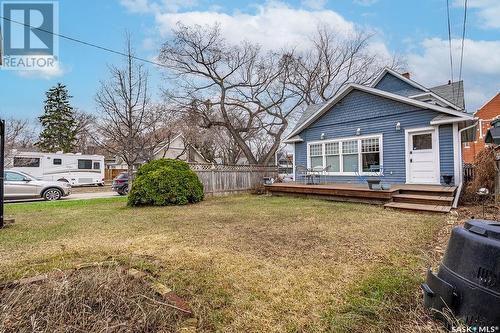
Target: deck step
(442, 200)
(418, 207)
(430, 192)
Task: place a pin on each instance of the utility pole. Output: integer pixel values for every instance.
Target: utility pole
(2, 165)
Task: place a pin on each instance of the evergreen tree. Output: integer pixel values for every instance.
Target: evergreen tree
(59, 125)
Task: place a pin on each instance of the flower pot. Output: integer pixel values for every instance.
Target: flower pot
(372, 182)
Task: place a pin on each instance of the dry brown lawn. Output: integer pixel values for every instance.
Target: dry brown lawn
(246, 263)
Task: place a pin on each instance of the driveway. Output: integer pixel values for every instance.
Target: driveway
(74, 196)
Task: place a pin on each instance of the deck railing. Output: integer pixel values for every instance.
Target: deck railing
(226, 179)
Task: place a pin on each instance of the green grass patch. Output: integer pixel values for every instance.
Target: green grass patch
(245, 263)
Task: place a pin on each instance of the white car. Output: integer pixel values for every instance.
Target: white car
(20, 185)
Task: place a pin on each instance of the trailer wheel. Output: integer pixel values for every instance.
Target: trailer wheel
(52, 194)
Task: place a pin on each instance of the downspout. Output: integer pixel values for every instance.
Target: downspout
(461, 171)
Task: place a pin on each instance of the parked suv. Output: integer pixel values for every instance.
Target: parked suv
(20, 185)
(120, 183)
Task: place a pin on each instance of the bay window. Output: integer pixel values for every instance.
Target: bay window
(347, 156)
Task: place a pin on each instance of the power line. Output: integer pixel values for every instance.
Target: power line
(450, 46)
(463, 42)
(76, 40)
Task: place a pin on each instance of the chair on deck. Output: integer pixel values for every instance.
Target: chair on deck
(321, 172)
(308, 175)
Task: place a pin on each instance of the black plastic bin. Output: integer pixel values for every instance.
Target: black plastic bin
(468, 279)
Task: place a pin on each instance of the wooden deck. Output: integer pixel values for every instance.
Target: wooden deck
(434, 198)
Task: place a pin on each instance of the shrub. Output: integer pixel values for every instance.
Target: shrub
(484, 175)
(165, 182)
(162, 162)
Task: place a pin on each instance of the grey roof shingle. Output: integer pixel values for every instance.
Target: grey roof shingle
(453, 93)
(308, 112)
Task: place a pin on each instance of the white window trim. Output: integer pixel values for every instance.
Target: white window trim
(341, 155)
(435, 143)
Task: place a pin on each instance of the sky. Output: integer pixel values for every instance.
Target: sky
(415, 30)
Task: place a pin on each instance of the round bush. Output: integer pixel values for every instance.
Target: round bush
(165, 182)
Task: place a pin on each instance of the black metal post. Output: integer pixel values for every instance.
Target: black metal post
(2, 165)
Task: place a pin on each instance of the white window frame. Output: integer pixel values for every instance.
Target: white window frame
(359, 138)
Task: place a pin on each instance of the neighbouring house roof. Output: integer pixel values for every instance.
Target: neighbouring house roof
(314, 112)
(167, 143)
(453, 93)
(493, 136)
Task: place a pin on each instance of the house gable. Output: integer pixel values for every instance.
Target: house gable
(375, 93)
(390, 83)
(490, 110)
(359, 105)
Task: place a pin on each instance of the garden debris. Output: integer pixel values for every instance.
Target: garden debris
(94, 297)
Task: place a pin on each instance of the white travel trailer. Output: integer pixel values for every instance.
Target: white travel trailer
(76, 169)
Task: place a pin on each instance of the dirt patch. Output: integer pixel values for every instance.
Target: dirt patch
(281, 243)
(96, 299)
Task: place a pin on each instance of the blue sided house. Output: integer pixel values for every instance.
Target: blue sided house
(396, 129)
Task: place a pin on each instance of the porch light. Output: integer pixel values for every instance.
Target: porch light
(323, 136)
(398, 126)
(358, 131)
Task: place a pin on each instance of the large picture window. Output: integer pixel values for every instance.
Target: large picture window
(347, 156)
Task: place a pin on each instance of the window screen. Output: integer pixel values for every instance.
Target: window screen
(97, 165)
(57, 161)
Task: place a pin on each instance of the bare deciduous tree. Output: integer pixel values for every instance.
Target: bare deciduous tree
(131, 126)
(253, 94)
(335, 61)
(85, 132)
(236, 87)
(19, 134)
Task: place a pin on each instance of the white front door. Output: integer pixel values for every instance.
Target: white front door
(422, 158)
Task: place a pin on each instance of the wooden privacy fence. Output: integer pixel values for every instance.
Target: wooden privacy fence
(468, 170)
(110, 174)
(226, 179)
